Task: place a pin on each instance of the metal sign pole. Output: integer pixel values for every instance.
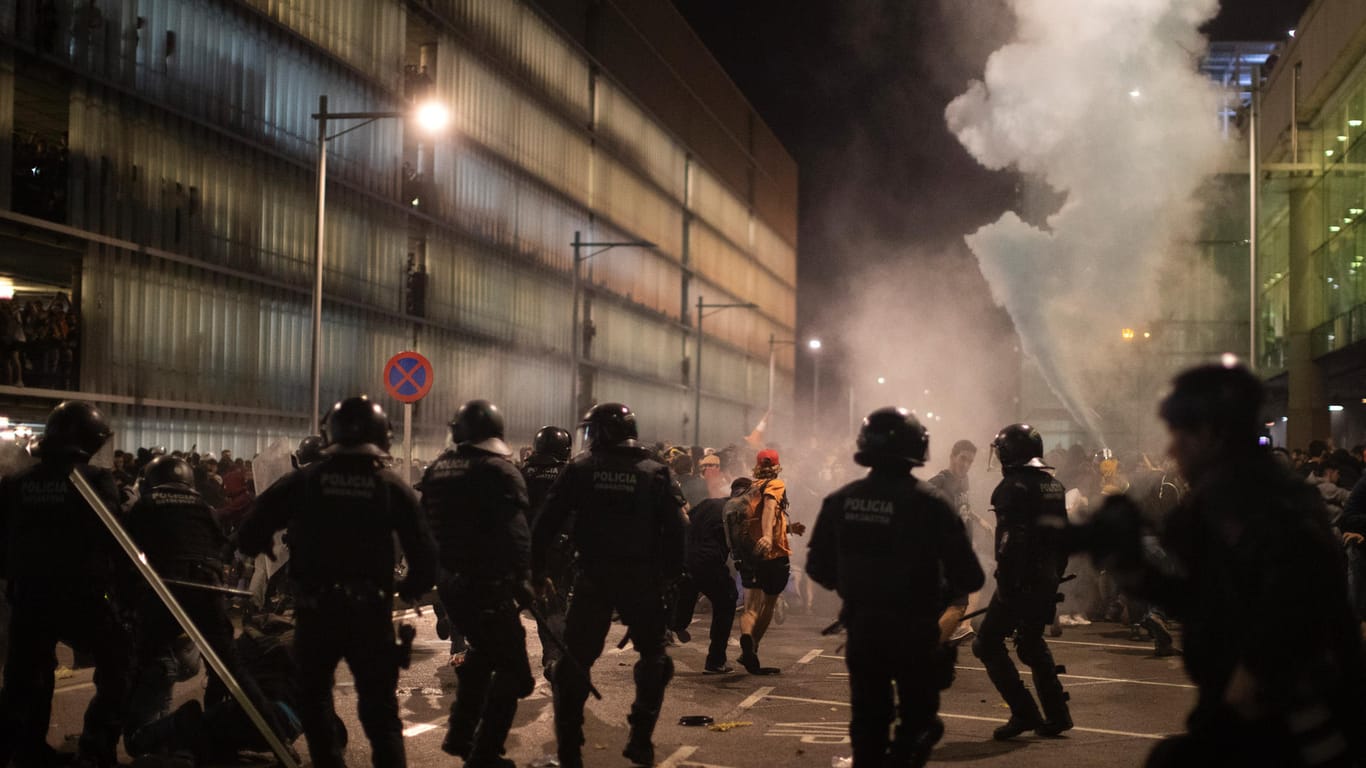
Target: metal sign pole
(216, 664)
(408, 443)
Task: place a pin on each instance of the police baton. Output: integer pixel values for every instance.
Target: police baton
(981, 611)
(559, 644)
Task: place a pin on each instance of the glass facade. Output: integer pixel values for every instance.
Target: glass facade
(1324, 193)
(167, 148)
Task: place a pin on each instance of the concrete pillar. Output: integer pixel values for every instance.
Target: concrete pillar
(1308, 398)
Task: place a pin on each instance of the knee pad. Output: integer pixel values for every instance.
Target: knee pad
(1034, 653)
(984, 651)
(654, 670)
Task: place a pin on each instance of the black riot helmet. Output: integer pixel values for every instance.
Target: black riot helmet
(476, 420)
(75, 430)
(479, 423)
(892, 437)
(1019, 445)
(608, 424)
(168, 470)
(357, 421)
(310, 450)
(554, 442)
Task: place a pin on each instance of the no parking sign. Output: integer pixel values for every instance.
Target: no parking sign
(408, 377)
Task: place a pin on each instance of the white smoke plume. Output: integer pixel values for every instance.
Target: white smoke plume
(1101, 101)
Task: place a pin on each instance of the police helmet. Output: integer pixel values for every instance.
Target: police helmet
(355, 422)
(310, 450)
(892, 436)
(75, 430)
(1226, 399)
(168, 470)
(479, 423)
(1019, 445)
(554, 442)
(609, 424)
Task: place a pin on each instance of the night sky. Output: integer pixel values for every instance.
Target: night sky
(856, 90)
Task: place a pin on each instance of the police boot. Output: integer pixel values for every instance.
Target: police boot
(640, 748)
(913, 750)
(1024, 713)
(1057, 716)
(1163, 645)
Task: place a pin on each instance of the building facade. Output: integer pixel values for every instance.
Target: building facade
(159, 208)
(1311, 285)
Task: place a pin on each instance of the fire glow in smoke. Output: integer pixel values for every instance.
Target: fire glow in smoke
(1101, 101)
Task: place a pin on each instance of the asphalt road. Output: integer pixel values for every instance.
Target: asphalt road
(1123, 700)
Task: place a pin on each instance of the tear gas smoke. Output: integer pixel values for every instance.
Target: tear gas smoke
(1101, 101)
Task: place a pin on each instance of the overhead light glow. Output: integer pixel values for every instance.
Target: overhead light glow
(1228, 360)
(1334, 408)
(881, 380)
(1342, 138)
(1356, 211)
(1147, 334)
(433, 117)
(1354, 123)
(1335, 228)
(1126, 333)
(814, 344)
(1291, 33)
(6, 289)
(1284, 419)
(1135, 93)
(1328, 153)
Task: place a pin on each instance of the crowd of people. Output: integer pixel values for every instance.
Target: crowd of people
(38, 343)
(1184, 551)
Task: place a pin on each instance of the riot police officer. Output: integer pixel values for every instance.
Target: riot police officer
(628, 532)
(550, 452)
(66, 581)
(1031, 517)
(176, 530)
(1249, 539)
(893, 549)
(310, 450)
(342, 514)
(476, 503)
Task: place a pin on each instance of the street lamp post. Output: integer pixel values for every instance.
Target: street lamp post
(697, 395)
(431, 117)
(575, 288)
(815, 345)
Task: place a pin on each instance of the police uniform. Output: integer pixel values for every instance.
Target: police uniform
(892, 548)
(476, 502)
(176, 530)
(1031, 515)
(628, 532)
(540, 472)
(342, 514)
(66, 577)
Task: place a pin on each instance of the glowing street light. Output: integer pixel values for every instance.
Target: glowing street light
(814, 344)
(1127, 334)
(431, 118)
(882, 379)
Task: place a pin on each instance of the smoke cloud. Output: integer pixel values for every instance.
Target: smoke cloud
(1098, 102)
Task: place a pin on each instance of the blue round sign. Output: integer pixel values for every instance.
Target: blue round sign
(408, 377)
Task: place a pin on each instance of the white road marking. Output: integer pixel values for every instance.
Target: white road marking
(74, 687)
(679, 755)
(421, 728)
(808, 658)
(1051, 641)
(1104, 731)
(754, 698)
(1125, 681)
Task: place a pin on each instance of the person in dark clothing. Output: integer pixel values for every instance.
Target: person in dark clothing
(628, 532)
(550, 451)
(176, 531)
(476, 501)
(216, 733)
(1031, 515)
(893, 549)
(342, 514)
(68, 582)
(708, 574)
(1249, 539)
(1353, 527)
